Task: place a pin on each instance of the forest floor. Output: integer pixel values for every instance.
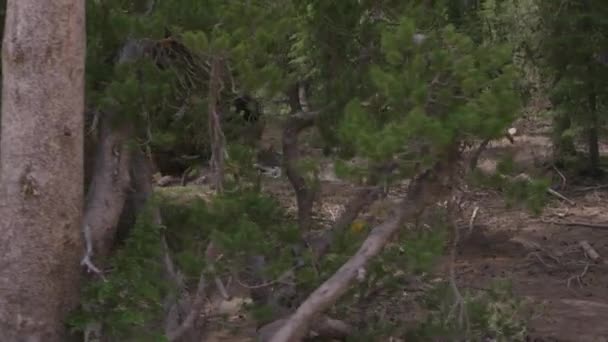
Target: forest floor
(539, 254)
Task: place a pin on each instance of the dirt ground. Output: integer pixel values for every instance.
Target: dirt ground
(546, 264)
(542, 255)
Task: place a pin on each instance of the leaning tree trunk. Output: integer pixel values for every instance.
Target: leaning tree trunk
(41, 169)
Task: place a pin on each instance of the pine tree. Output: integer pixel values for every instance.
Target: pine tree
(573, 39)
(399, 85)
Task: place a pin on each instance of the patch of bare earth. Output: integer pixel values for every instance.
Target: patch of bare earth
(545, 263)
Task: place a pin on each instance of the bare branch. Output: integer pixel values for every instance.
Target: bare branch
(472, 219)
(86, 260)
(560, 196)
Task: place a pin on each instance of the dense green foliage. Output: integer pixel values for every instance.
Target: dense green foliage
(412, 83)
(431, 98)
(493, 314)
(406, 82)
(131, 298)
(164, 90)
(244, 224)
(573, 51)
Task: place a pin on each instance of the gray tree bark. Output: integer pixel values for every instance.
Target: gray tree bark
(41, 168)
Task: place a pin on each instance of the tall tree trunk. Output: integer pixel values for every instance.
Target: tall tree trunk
(305, 193)
(295, 124)
(592, 135)
(41, 169)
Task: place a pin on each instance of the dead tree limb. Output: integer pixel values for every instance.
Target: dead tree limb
(305, 195)
(320, 246)
(218, 141)
(362, 199)
(425, 190)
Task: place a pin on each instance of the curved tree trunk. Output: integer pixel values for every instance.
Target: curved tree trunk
(305, 194)
(41, 169)
(108, 188)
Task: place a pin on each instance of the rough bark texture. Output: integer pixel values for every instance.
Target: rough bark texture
(41, 169)
(108, 190)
